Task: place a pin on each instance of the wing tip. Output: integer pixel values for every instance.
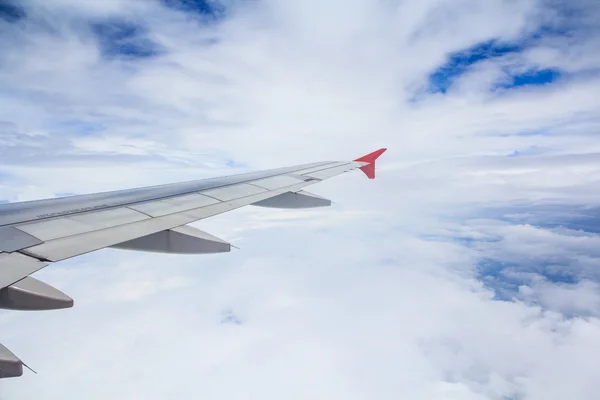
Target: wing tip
(369, 169)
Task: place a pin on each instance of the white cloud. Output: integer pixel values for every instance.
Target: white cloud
(382, 295)
(580, 299)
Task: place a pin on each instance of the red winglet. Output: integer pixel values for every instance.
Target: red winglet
(370, 158)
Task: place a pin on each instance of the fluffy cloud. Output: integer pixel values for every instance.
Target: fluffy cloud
(467, 270)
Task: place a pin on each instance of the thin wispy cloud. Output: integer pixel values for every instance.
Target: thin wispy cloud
(467, 270)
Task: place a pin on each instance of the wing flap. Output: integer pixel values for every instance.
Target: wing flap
(12, 239)
(76, 224)
(16, 266)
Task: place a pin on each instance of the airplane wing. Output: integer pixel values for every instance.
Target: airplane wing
(34, 234)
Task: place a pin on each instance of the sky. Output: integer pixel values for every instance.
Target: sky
(468, 270)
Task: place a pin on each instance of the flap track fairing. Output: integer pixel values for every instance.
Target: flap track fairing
(301, 199)
(30, 294)
(10, 365)
(181, 240)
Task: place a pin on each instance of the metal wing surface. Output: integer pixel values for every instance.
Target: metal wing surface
(34, 234)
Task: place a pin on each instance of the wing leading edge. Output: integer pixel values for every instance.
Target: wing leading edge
(36, 233)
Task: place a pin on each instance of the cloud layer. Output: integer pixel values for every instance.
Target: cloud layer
(466, 270)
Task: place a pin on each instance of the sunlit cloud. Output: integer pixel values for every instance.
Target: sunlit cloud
(466, 270)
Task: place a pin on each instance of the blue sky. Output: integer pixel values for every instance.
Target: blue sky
(460, 62)
(201, 7)
(10, 11)
(123, 39)
(467, 270)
